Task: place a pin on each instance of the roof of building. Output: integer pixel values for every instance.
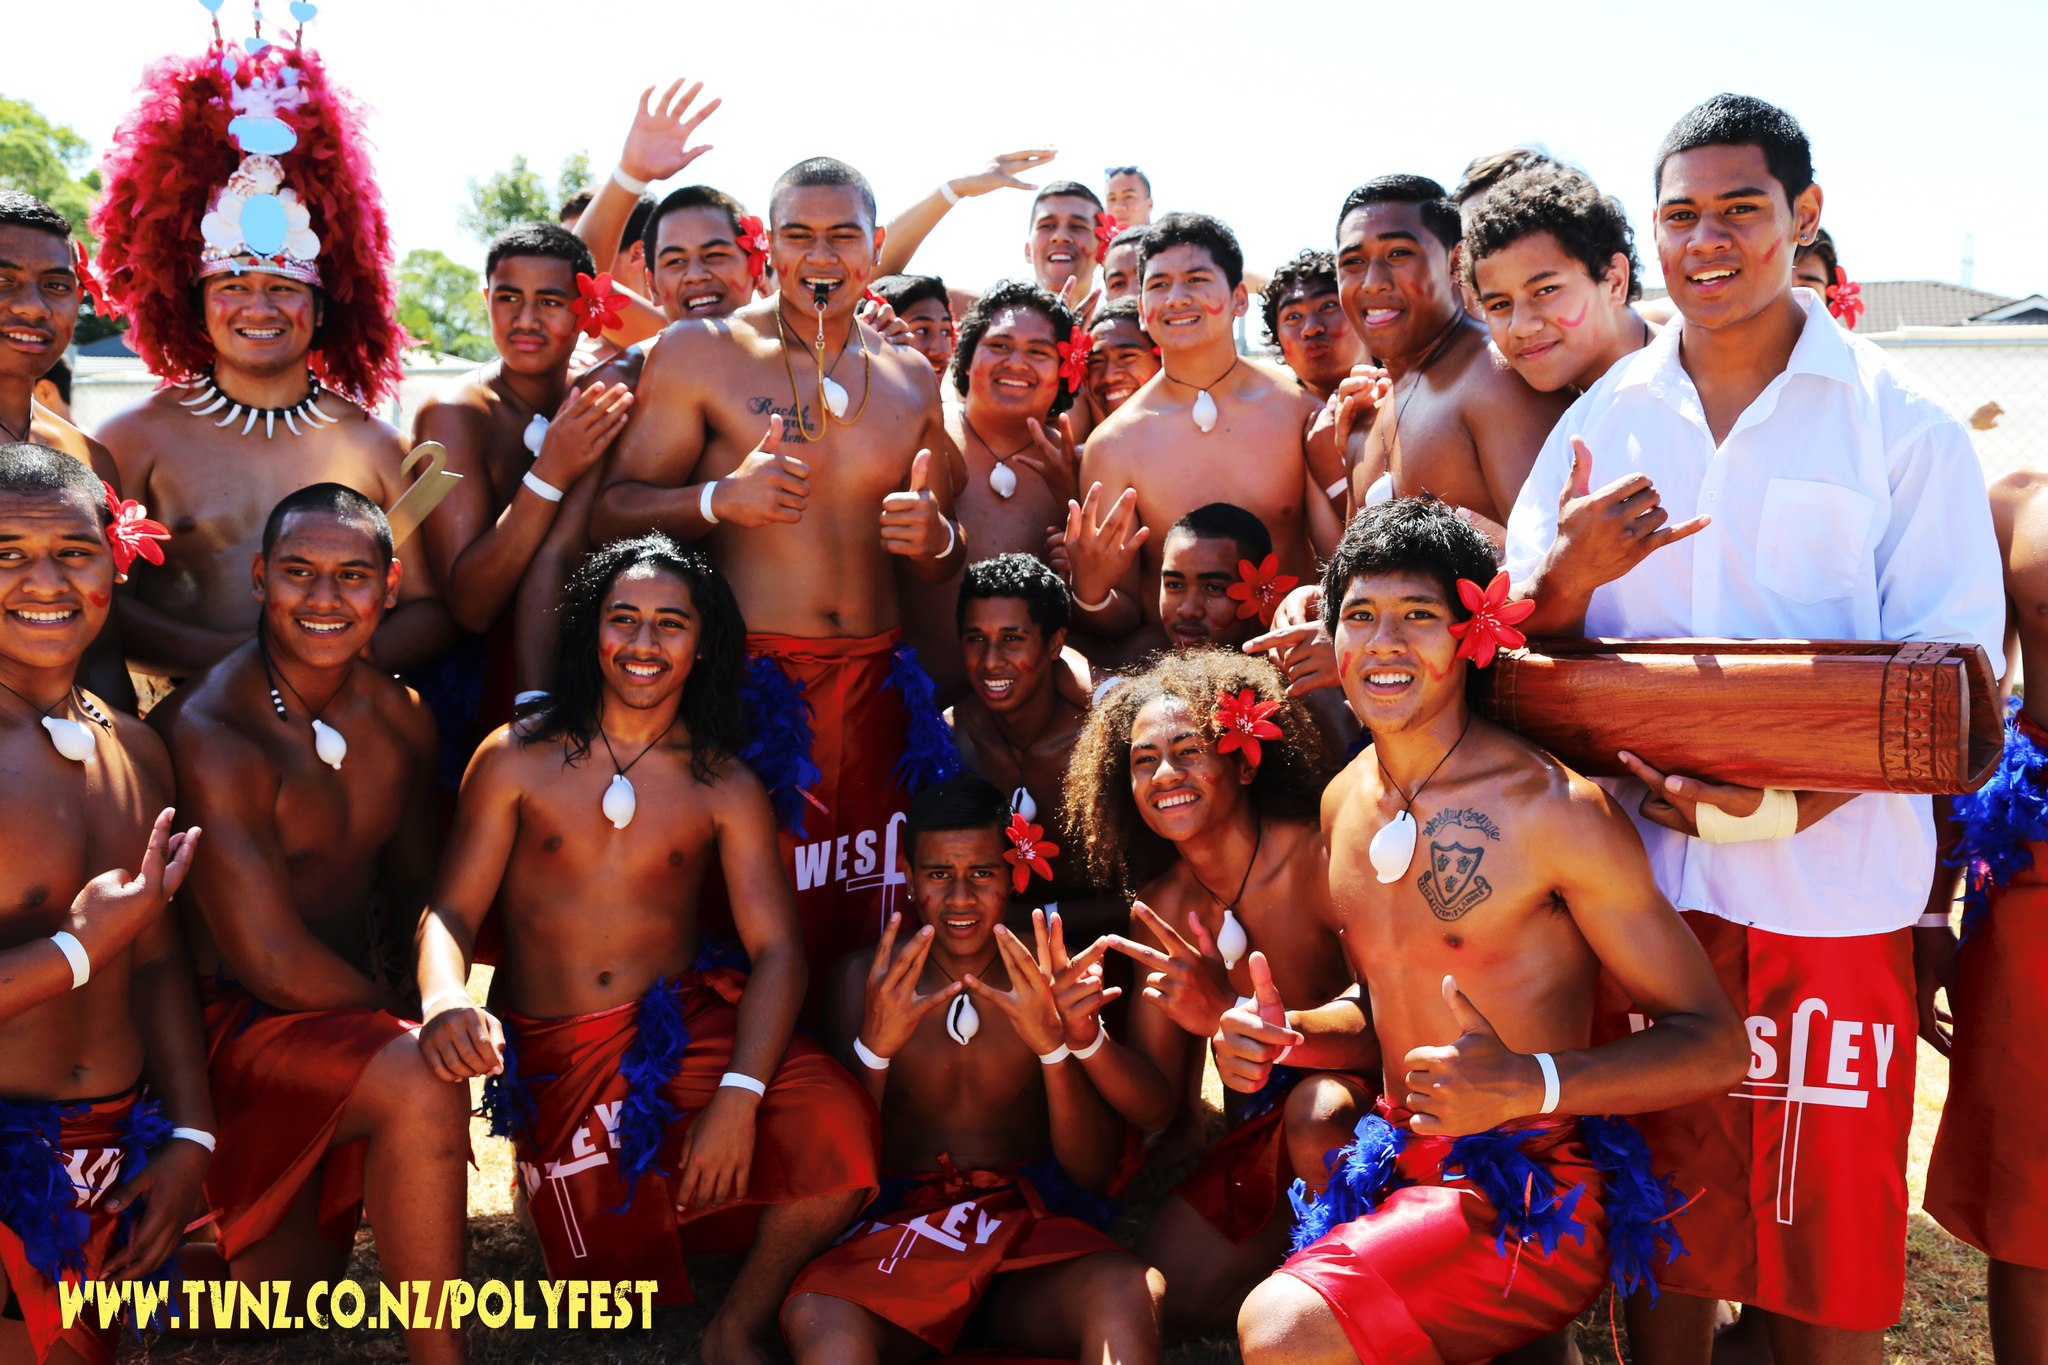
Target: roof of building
(1891, 304)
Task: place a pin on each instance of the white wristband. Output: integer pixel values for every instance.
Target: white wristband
(1082, 1054)
(952, 538)
(1056, 1056)
(948, 193)
(445, 993)
(1246, 1002)
(541, 486)
(198, 1135)
(1931, 920)
(1552, 1091)
(869, 1058)
(704, 504)
(627, 182)
(74, 953)
(740, 1080)
(1107, 598)
(1776, 818)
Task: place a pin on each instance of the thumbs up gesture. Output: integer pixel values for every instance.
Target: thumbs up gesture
(1249, 1040)
(1602, 535)
(913, 523)
(767, 488)
(1473, 1084)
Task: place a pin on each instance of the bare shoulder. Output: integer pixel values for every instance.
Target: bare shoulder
(513, 755)
(2013, 491)
(1339, 790)
(734, 790)
(129, 431)
(1553, 803)
(365, 431)
(1267, 384)
(402, 708)
(145, 749)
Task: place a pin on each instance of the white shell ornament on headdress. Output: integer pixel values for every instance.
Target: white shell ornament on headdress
(328, 744)
(1392, 850)
(73, 739)
(1230, 940)
(620, 804)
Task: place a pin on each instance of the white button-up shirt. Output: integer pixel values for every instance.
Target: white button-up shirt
(1846, 505)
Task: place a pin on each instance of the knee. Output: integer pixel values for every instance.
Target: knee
(1120, 1286)
(817, 1329)
(1277, 1318)
(409, 1093)
(1321, 1116)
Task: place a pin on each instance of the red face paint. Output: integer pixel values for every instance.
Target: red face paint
(1771, 252)
(98, 599)
(1213, 312)
(1576, 318)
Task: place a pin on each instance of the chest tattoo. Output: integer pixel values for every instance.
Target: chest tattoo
(792, 414)
(1451, 882)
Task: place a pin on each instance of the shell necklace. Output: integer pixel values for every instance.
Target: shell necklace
(963, 1021)
(1002, 478)
(328, 744)
(1392, 850)
(1204, 410)
(1230, 939)
(73, 739)
(831, 396)
(308, 410)
(620, 804)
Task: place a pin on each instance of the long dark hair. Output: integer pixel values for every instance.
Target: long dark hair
(711, 695)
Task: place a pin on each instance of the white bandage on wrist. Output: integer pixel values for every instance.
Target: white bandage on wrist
(74, 953)
(740, 1080)
(1056, 1056)
(627, 182)
(445, 993)
(1082, 1054)
(1552, 1091)
(869, 1058)
(1931, 920)
(948, 193)
(541, 486)
(1107, 598)
(198, 1135)
(704, 504)
(1776, 818)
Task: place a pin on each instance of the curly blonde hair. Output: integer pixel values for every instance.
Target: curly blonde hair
(1120, 848)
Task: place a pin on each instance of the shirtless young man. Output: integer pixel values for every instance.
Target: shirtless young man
(922, 302)
(40, 291)
(1211, 426)
(1122, 359)
(995, 1130)
(809, 515)
(1481, 971)
(612, 1054)
(1304, 317)
(314, 774)
(100, 1047)
(1199, 565)
(1120, 265)
(273, 351)
(1014, 379)
(1553, 264)
(1457, 421)
(907, 230)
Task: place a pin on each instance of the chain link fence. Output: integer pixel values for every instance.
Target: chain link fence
(1993, 376)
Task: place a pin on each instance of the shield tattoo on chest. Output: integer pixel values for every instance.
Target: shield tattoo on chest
(1451, 883)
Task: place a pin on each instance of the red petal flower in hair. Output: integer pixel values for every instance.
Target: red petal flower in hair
(132, 533)
(1845, 299)
(1106, 228)
(1261, 588)
(102, 306)
(1241, 723)
(754, 241)
(1028, 852)
(1074, 353)
(600, 303)
(1492, 626)
(870, 296)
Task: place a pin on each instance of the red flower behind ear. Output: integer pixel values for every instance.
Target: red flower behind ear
(870, 296)
(132, 533)
(600, 304)
(754, 241)
(1261, 588)
(1492, 626)
(1028, 852)
(1845, 299)
(1074, 353)
(1106, 229)
(1241, 723)
(102, 306)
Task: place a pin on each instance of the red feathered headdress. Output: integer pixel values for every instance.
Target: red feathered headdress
(166, 171)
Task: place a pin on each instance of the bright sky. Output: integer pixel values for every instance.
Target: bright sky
(1264, 115)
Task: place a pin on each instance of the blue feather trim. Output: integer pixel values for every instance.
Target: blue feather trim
(1060, 1194)
(38, 1202)
(929, 754)
(1279, 1082)
(2000, 819)
(146, 1130)
(1361, 1174)
(507, 1102)
(1527, 1205)
(652, 1060)
(778, 720)
(1639, 1204)
(714, 952)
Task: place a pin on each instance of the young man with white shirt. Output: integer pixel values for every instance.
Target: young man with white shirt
(1769, 475)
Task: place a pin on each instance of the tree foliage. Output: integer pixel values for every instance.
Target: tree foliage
(519, 195)
(441, 302)
(47, 160)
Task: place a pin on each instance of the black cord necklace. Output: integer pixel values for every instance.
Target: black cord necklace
(328, 743)
(620, 802)
(71, 738)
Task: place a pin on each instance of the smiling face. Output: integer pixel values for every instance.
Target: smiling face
(1128, 201)
(324, 587)
(1009, 660)
(1195, 607)
(1123, 359)
(960, 883)
(1316, 340)
(823, 237)
(1394, 277)
(533, 318)
(1549, 319)
(39, 299)
(56, 579)
(931, 332)
(700, 271)
(1062, 241)
(647, 638)
(1726, 235)
(260, 324)
(1120, 272)
(1187, 301)
(1396, 656)
(1015, 372)
(1181, 785)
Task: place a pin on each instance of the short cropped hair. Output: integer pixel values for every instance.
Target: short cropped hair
(1025, 577)
(1123, 310)
(904, 292)
(335, 500)
(539, 239)
(1439, 214)
(1743, 121)
(1064, 189)
(1590, 226)
(1421, 534)
(1212, 235)
(688, 197)
(960, 802)
(1228, 521)
(823, 170)
(18, 209)
(29, 467)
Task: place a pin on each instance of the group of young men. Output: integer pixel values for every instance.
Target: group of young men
(895, 738)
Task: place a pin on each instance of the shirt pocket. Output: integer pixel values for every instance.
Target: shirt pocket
(1811, 539)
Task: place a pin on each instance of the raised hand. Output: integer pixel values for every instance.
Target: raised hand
(111, 909)
(1601, 536)
(1250, 1039)
(1077, 990)
(462, 1041)
(580, 432)
(658, 143)
(893, 1008)
(1028, 1004)
(1101, 546)
(1305, 654)
(1055, 456)
(1001, 172)
(1186, 981)
(1473, 1084)
(913, 523)
(1358, 397)
(883, 319)
(1085, 309)
(767, 488)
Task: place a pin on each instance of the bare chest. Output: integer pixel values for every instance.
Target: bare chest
(568, 839)
(69, 823)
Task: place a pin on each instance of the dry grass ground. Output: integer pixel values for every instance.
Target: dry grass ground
(1942, 1322)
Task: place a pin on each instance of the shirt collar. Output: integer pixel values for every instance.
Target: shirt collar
(1823, 349)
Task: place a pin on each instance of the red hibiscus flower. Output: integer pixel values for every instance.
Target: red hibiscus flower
(1845, 299)
(1262, 588)
(1492, 626)
(1074, 353)
(600, 304)
(1028, 852)
(754, 241)
(1241, 723)
(1106, 229)
(102, 306)
(132, 532)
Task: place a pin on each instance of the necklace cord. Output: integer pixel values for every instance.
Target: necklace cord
(1258, 838)
(1408, 801)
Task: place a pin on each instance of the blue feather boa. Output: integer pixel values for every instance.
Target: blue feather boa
(508, 1104)
(1640, 1204)
(1527, 1205)
(1361, 1175)
(652, 1060)
(929, 754)
(2000, 819)
(778, 720)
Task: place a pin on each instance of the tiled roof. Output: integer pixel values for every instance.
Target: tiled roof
(1889, 304)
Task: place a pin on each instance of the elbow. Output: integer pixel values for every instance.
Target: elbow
(609, 520)
(1731, 1052)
